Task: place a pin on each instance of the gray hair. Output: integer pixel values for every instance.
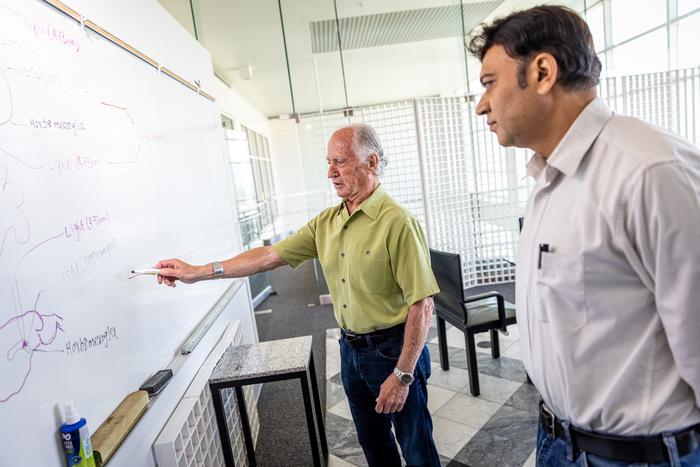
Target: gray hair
(366, 142)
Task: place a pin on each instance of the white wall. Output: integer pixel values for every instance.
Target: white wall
(233, 104)
(287, 166)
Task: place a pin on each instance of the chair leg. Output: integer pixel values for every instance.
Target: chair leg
(495, 344)
(442, 344)
(471, 364)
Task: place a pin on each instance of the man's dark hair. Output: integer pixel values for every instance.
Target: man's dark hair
(553, 29)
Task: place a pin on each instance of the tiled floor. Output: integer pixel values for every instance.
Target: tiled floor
(498, 428)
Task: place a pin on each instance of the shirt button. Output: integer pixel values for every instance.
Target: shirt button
(343, 255)
(342, 280)
(344, 305)
(345, 227)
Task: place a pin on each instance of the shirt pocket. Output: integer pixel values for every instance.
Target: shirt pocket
(561, 292)
(370, 270)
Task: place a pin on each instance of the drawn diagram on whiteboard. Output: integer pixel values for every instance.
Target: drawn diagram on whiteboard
(28, 331)
(28, 327)
(118, 117)
(20, 354)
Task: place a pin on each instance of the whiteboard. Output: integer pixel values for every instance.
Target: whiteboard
(105, 165)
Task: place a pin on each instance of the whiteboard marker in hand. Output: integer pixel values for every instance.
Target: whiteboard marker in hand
(144, 272)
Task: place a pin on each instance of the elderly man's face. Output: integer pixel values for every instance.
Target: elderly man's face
(351, 176)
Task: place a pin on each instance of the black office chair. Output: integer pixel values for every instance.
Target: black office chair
(470, 314)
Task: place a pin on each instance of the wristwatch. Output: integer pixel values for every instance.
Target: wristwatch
(405, 378)
(218, 269)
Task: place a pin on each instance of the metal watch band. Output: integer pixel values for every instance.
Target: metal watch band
(218, 269)
(404, 378)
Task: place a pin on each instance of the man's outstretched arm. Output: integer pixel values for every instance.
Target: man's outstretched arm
(250, 262)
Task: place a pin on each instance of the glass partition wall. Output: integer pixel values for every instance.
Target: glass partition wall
(402, 67)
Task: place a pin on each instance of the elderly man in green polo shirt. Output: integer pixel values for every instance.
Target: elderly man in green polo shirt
(376, 261)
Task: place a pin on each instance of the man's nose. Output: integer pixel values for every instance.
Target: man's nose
(331, 171)
(483, 106)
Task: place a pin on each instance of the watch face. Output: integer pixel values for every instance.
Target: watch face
(406, 378)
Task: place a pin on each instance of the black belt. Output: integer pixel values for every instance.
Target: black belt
(649, 449)
(380, 335)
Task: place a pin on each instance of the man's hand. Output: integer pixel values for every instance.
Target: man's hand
(392, 396)
(173, 270)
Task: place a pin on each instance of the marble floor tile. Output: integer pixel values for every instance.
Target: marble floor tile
(454, 379)
(332, 347)
(455, 338)
(532, 460)
(513, 351)
(456, 463)
(487, 450)
(467, 410)
(435, 352)
(450, 436)
(525, 398)
(514, 424)
(513, 333)
(504, 345)
(338, 462)
(342, 409)
(458, 358)
(342, 440)
(334, 394)
(335, 379)
(332, 364)
(432, 333)
(491, 388)
(504, 367)
(437, 397)
(482, 336)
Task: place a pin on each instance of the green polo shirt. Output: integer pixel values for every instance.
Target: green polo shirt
(376, 262)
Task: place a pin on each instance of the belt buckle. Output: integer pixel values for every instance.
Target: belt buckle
(552, 417)
(352, 338)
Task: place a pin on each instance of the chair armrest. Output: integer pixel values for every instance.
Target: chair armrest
(499, 302)
(481, 296)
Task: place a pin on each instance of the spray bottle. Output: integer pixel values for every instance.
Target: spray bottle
(76, 438)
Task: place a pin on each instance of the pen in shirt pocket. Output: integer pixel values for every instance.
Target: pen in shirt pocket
(544, 248)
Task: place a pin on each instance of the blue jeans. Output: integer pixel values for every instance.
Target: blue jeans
(363, 371)
(553, 452)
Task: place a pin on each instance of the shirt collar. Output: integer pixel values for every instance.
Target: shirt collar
(571, 150)
(583, 132)
(370, 206)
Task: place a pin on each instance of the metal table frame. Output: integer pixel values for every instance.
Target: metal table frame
(312, 423)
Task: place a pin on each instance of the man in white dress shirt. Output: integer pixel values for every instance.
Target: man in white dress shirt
(608, 274)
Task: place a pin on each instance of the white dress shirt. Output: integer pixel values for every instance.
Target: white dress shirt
(610, 316)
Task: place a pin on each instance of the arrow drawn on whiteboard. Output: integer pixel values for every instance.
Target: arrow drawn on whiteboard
(12, 217)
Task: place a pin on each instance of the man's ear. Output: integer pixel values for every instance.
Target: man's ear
(543, 71)
(373, 162)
